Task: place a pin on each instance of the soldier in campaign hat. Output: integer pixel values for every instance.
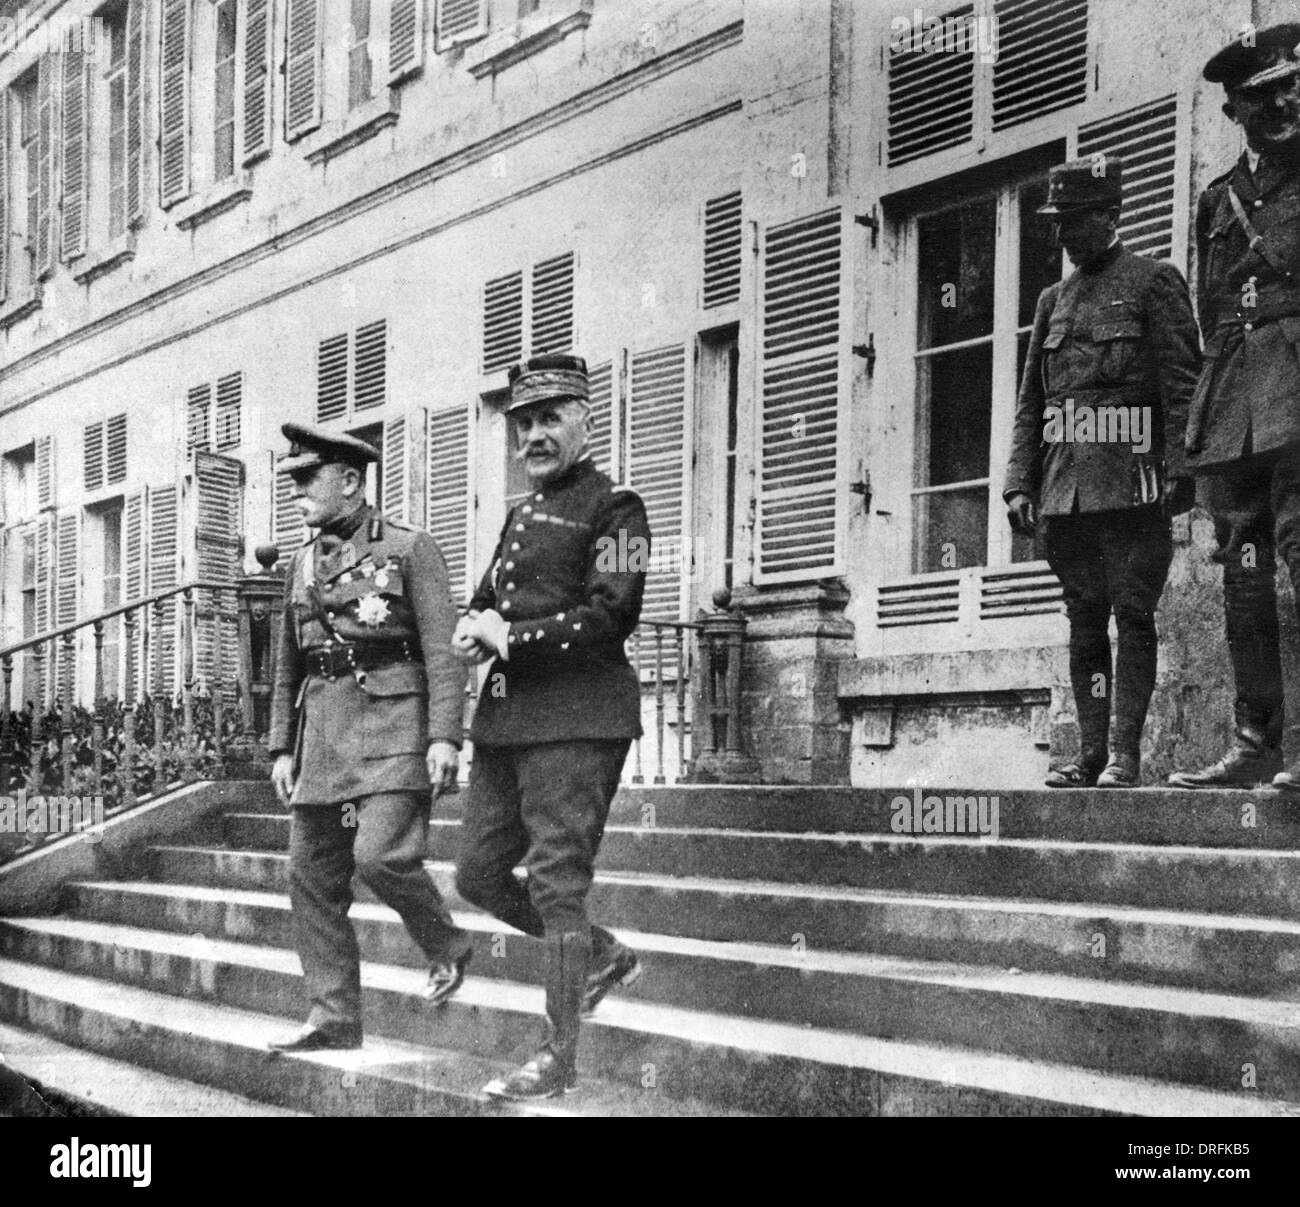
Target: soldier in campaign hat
(1244, 425)
(559, 706)
(1096, 451)
(366, 715)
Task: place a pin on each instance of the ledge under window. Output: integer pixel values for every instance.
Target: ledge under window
(103, 260)
(553, 24)
(361, 124)
(222, 197)
(17, 308)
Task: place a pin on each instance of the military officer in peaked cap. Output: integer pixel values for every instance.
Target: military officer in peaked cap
(1116, 338)
(559, 707)
(366, 717)
(1244, 425)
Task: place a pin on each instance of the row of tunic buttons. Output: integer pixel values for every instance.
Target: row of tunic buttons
(526, 509)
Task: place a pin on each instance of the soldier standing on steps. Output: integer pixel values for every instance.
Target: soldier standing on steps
(1244, 428)
(1116, 337)
(366, 713)
(559, 707)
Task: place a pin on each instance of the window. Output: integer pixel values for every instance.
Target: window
(974, 312)
(360, 82)
(19, 484)
(102, 534)
(223, 131)
(104, 450)
(115, 79)
(981, 68)
(209, 428)
(352, 371)
(26, 167)
(548, 317)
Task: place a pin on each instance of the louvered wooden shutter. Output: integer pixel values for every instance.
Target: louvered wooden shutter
(931, 96)
(164, 553)
(302, 101)
(45, 233)
(256, 29)
(134, 575)
(448, 492)
(370, 366)
(503, 322)
(1145, 137)
(76, 120)
(460, 21)
(600, 385)
(115, 449)
(656, 463)
(174, 107)
(552, 298)
(332, 378)
(93, 454)
(405, 38)
(45, 471)
(198, 404)
(67, 591)
(44, 582)
(230, 390)
(4, 192)
(135, 115)
(1042, 62)
(722, 239)
(396, 499)
(799, 508)
(218, 529)
(290, 530)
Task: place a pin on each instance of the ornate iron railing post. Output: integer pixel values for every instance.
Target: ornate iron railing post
(720, 756)
(259, 597)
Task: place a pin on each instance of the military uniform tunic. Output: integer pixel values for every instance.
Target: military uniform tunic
(367, 730)
(555, 719)
(1244, 424)
(1119, 332)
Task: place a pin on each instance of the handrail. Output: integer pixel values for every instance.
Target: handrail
(157, 597)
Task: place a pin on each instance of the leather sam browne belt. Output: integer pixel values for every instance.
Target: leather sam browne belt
(331, 661)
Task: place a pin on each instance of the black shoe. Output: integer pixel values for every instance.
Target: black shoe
(446, 978)
(545, 1076)
(622, 968)
(1250, 762)
(1073, 775)
(310, 1038)
(1289, 779)
(1123, 771)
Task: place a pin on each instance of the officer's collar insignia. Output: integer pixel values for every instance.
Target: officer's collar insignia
(372, 610)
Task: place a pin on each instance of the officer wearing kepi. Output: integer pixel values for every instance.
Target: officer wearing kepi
(559, 707)
(1111, 367)
(1244, 424)
(366, 714)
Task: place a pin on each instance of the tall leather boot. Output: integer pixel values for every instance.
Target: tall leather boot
(553, 1070)
(1255, 758)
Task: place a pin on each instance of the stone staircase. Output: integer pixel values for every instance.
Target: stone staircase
(1109, 953)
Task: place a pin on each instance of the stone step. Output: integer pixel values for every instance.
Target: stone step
(762, 1066)
(76, 1081)
(1203, 951)
(1174, 1034)
(1263, 882)
(225, 1046)
(1263, 818)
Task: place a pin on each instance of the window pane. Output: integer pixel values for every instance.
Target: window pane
(1040, 258)
(951, 529)
(955, 301)
(226, 30)
(955, 393)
